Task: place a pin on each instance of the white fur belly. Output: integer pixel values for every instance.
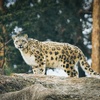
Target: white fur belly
(30, 60)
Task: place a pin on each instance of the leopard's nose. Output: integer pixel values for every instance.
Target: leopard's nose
(20, 46)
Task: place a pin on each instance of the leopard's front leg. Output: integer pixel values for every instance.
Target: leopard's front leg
(41, 63)
(38, 70)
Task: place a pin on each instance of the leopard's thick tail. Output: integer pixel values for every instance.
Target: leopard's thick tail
(86, 67)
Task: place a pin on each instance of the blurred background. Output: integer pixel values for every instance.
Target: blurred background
(54, 20)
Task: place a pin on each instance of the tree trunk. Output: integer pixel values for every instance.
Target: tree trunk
(2, 49)
(2, 53)
(96, 36)
(2, 8)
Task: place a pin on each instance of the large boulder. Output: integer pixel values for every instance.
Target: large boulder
(32, 87)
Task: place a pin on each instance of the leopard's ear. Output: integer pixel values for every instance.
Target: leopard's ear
(13, 37)
(26, 36)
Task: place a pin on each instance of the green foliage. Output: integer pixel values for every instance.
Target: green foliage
(7, 70)
(45, 19)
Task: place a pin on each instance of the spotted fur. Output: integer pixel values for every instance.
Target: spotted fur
(40, 55)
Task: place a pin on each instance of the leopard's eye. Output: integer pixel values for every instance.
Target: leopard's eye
(23, 40)
(16, 41)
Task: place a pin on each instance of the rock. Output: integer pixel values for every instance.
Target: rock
(37, 87)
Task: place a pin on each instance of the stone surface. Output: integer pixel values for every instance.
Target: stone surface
(32, 87)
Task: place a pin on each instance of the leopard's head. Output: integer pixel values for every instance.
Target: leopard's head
(20, 42)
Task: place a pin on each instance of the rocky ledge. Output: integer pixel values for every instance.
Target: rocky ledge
(37, 87)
